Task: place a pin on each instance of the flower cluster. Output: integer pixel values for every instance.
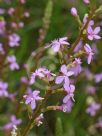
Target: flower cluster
(70, 68)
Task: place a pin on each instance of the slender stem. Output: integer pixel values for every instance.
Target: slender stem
(37, 112)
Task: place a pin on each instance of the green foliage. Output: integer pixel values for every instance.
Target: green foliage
(59, 127)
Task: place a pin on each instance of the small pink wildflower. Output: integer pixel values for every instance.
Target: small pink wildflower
(41, 73)
(12, 62)
(89, 53)
(14, 40)
(67, 107)
(3, 89)
(64, 77)
(13, 121)
(93, 34)
(92, 109)
(56, 44)
(32, 98)
(77, 66)
(70, 93)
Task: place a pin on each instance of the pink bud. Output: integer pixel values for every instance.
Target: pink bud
(23, 1)
(74, 11)
(86, 1)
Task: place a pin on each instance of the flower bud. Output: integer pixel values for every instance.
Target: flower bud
(86, 1)
(74, 11)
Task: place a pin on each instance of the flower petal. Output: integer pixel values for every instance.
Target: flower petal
(59, 79)
(64, 69)
(96, 30)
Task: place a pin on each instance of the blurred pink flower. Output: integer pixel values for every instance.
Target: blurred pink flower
(12, 62)
(11, 11)
(2, 11)
(91, 89)
(13, 121)
(1, 49)
(3, 89)
(98, 77)
(92, 109)
(86, 1)
(14, 40)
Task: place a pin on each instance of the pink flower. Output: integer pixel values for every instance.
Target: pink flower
(67, 107)
(91, 89)
(99, 123)
(21, 24)
(74, 11)
(14, 40)
(70, 93)
(26, 14)
(77, 66)
(65, 76)
(2, 11)
(93, 34)
(91, 23)
(13, 121)
(98, 77)
(32, 97)
(11, 11)
(56, 44)
(12, 62)
(1, 49)
(38, 120)
(89, 53)
(3, 89)
(24, 80)
(86, 1)
(92, 109)
(78, 47)
(23, 1)
(41, 73)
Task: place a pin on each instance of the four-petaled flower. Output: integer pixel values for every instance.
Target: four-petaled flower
(12, 62)
(70, 93)
(41, 73)
(14, 40)
(64, 77)
(93, 34)
(32, 98)
(92, 109)
(3, 89)
(13, 121)
(77, 66)
(56, 44)
(89, 53)
(67, 107)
